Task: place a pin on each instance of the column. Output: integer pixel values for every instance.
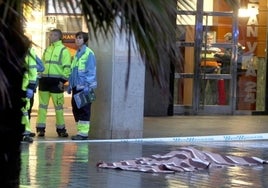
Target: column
(118, 110)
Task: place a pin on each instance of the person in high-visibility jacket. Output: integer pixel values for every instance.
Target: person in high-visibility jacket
(82, 79)
(57, 62)
(40, 68)
(28, 86)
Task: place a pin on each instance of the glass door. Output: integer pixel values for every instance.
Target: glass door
(205, 79)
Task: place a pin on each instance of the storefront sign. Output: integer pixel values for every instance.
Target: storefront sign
(68, 40)
(68, 37)
(252, 27)
(247, 81)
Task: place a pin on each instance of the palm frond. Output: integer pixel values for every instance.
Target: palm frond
(150, 22)
(12, 49)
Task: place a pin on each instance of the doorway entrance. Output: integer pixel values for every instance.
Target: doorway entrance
(207, 79)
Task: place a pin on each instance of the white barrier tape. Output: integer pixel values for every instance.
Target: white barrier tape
(190, 139)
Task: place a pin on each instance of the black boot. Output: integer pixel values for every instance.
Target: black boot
(79, 137)
(27, 138)
(32, 134)
(62, 132)
(40, 132)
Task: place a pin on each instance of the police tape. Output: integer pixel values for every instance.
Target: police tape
(187, 139)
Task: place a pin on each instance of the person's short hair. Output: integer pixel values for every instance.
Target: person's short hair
(229, 36)
(57, 31)
(83, 34)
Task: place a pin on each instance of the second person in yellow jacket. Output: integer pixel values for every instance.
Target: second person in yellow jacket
(57, 62)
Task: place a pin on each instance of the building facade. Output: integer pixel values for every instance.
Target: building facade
(204, 81)
(223, 64)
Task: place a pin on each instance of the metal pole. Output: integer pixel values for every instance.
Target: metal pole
(235, 34)
(197, 52)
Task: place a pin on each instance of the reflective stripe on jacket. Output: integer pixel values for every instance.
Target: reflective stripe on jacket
(57, 61)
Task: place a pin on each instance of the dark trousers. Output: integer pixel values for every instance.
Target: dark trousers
(82, 114)
(31, 106)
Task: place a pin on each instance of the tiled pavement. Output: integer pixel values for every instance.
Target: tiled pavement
(60, 163)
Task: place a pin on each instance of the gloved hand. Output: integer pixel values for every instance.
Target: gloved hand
(86, 90)
(69, 90)
(29, 93)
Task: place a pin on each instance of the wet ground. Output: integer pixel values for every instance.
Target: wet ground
(60, 163)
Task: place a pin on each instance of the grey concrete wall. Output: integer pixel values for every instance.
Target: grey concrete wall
(117, 111)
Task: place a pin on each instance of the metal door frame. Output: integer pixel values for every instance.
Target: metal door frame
(207, 109)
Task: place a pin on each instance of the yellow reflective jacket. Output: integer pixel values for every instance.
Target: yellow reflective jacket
(57, 61)
(30, 74)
